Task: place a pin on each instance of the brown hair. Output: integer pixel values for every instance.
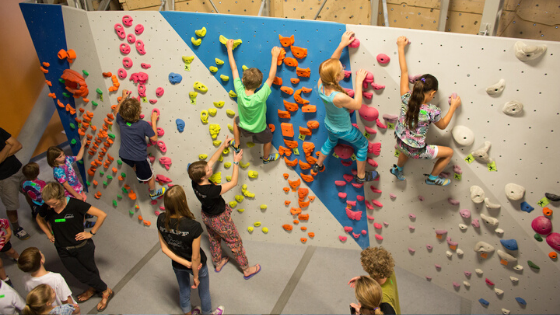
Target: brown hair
(130, 110)
(369, 295)
(175, 202)
(53, 190)
(423, 84)
(329, 71)
(197, 171)
(377, 262)
(37, 299)
(52, 154)
(252, 78)
(31, 170)
(30, 260)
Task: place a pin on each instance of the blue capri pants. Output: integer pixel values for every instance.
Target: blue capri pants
(353, 136)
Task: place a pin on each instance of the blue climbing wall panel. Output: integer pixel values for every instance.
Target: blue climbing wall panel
(46, 27)
(259, 36)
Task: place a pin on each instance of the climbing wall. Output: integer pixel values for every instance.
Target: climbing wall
(401, 216)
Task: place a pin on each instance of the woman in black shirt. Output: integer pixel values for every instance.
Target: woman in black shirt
(75, 247)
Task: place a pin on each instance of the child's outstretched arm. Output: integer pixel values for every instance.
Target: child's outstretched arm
(125, 95)
(274, 64)
(444, 122)
(342, 100)
(155, 117)
(82, 149)
(214, 158)
(402, 41)
(235, 176)
(233, 66)
(346, 39)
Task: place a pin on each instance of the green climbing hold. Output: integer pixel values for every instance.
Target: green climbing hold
(119, 162)
(81, 162)
(88, 183)
(105, 183)
(112, 136)
(538, 237)
(72, 126)
(61, 80)
(123, 175)
(109, 177)
(119, 196)
(532, 265)
(124, 190)
(85, 72)
(99, 91)
(131, 212)
(102, 173)
(94, 103)
(66, 94)
(114, 203)
(73, 141)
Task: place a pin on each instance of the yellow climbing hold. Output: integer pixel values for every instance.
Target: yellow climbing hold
(213, 69)
(246, 192)
(244, 166)
(202, 156)
(244, 67)
(227, 164)
(265, 230)
(230, 127)
(221, 159)
(236, 42)
(219, 62)
(263, 207)
(257, 224)
(224, 78)
(219, 104)
(253, 174)
(214, 130)
(239, 198)
(216, 178)
(230, 112)
(196, 42)
(188, 59)
(192, 96)
(250, 144)
(250, 229)
(201, 32)
(200, 86)
(212, 111)
(204, 116)
(232, 94)
(240, 210)
(233, 204)
(228, 178)
(216, 142)
(226, 151)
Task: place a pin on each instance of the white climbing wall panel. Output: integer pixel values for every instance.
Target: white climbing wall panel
(523, 146)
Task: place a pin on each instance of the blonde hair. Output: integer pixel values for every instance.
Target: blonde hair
(37, 299)
(369, 295)
(175, 202)
(377, 262)
(252, 78)
(52, 154)
(53, 190)
(329, 71)
(130, 110)
(197, 171)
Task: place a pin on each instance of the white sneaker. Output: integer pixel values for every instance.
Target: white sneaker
(219, 310)
(197, 310)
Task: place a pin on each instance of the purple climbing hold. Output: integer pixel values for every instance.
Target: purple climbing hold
(553, 240)
(393, 196)
(526, 207)
(385, 223)
(465, 213)
(542, 225)
(475, 223)
(457, 169)
(453, 201)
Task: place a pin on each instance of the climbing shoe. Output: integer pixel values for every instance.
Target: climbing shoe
(399, 174)
(370, 176)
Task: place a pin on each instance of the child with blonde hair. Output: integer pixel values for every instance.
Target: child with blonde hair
(41, 299)
(369, 294)
(64, 173)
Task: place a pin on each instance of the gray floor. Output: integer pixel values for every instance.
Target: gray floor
(294, 279)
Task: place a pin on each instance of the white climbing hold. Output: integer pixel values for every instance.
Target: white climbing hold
(491, 205)
(505, 311)
(482, 153)
(477, 194)
(512, 108)
(496, 88)
(483, 248)
(500, 232)
(460, 252)
(463, 135)
(513, 279)
(498, 291)
(518, 268)
(466, 284)
(448, 254)
(514, 191)
(489, 220)
(506, 258)
(524, 52)
(479, 272)
(463, 226)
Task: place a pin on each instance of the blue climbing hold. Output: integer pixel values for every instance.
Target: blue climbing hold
(484, 302)
(510, 244)
(175, 78)
(526, 207)
(520, 301)
(180, 124)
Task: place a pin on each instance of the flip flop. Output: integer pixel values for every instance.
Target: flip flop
(216, 270)
(108, 300)
(251, 275)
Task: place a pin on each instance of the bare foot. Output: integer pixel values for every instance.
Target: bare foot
(86, 295)
(221, 264)
(251, 270)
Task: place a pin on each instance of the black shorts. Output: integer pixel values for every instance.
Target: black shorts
(6, 247)
(144, 171)
(263, 137)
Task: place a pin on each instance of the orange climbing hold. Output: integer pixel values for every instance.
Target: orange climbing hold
(303, 228)
(287, 90)
(302, 193)
(547, 211)
(271, 127)
(132, 195)
(311, 234)
(126, 187)
(281, 57)
(307, 178)
(284, 151)
(552, 255)
(304, 131)
(44, 70)
(121, 178)
(303, 165)
(291, 144)
(114, 169)
(277, 81)
(296, 222)
(60, 104)
(308, 148)
(110, 158)
(299, 52)
(287, 202)
(303, 216)
(292, 62)
(284, 114)
(303, 204)
(309, 109)
(287, 129)
(71, 55)
(306, 90)
(95, 183)
(291, 163)
(295, 211)
(298, 99)
(305, 73)
(303, 240)
(97, 195)
(286, 189)
(49, 83)
(286, 175)
(147, 223)
(286, 41)
(312, 124)
(46, 64)
(311, 198)
(294, 80)
(140, 218)
(291, 107)
(107, 74)
(294, 184)
(288, 227)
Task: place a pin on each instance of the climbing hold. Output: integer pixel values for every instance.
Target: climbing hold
(547, 211)
(120, 33)
(467, 274)
(552, 255)
(298, 52)
(526, 207)
(174, 78)
(553, 240)
(521, 301)
(482, 153)
(368, 113)
(479, 272)
(524, 52)
(490, 205)
(463, 135)
(287, 227)
(378, 237)
(448, 254)
(477, 194)
(286, 41)
(552, 197)
(429, 247)
(355, 43)
(202, 156)
(196, 42)
(354, 215)
(506, 258)
(514, 279)
(232, 94)
(489, 220)
(514, 191)
(475, 223)
(213, 69)
(236, 42)
(201, 32)
(483, 302)
(342, 238)
(200, 86)
(496, 88)
(466, 284)
(453, 201)
(438, 267)
(263, 207)
(459, 252)
(305, 73)
(383, 59)
(500, 232)
(204, 116)
(253, 174)
(505, 311)
(228, 178)
(224, 78)
(265, 230)
(462, 226)
(518, 268)
(488, 282)
(509, 244)
(465, 213)
(348, 229)
(512, 108)
(452, 245)
(483, 249)
(250, 229)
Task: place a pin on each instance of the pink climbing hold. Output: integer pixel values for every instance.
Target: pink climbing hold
(383, 59)
(160, 132)
(465, 213)
(411, 216)
(421, 198)
(156, 213)
(368, 205)
(360, 198)
(162, 208)
(152, 158)
(127, 20)
(378, 237)
(355, 43)
(450, 243)
(413, 78)
(339, 183)
(467, 274)
(428, 278)
(131, 38)
(140, 47)
(163, 179)
(429, 247)
(451, 96)
(411, 250)
(344, 151)
(356, 185)
(441, 232)
(386, 223)
(342, 238)
(392, 196)
(456, 285)
(375, 190)
(542, 225)
(161, 146)
(145, 65)
(367, 95)
(152, 101)
(390, 118)
(354, 215)
(377, 226)
(348, 177)
(153, 202)
(351, 203)
(370, 130)
(377, 203)
(488, 282)
(350, 92)
(553, 240)
(139, 77)
(355, 235)
(412, 228)
(142, 116)
(141, 90)
(369, 217)
(159, 92)
(374, 148)
(457, 169)
(348, 229)
(372, 162)
(368, 113)
(376, 86)
(356, 126)
(453, 201)
(139, 29)
(165, 161)
(346, 163)
(380, 124)
(125, 49)
(156, 111)
(347, 74)
(122, 73)
(364, 232)
(342, 195)
(127, 62)
(475, 223)
(120, 31)
(438, 267)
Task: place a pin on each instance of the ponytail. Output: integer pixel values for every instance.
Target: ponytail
(369, 295)
(423, 85)
(329, 71)
(37, 299)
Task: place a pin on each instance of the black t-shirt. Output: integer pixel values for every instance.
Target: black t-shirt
(68, 223)
(11, 164)
(180, 240)
(209, 195)
(386, 308)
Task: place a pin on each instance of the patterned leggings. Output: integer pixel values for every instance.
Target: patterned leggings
(222, 227)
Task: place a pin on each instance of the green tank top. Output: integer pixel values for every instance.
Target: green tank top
(391, 293)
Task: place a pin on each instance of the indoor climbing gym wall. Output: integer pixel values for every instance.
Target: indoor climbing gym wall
(488, 236)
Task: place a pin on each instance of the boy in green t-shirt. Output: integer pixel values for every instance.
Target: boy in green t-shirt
(252, 106)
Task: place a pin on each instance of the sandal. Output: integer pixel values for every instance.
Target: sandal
(88, 294)
(107, 298)
(253, 274)
(222, 268)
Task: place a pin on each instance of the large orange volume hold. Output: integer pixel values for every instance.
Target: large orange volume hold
(284, 114)
(291, 144)
(277, 81)
(292, 107)
(287, 130)
(286, 41)
(299, 52)
(287, 90)
(288, 162)
(292, 62)
(306, 73)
